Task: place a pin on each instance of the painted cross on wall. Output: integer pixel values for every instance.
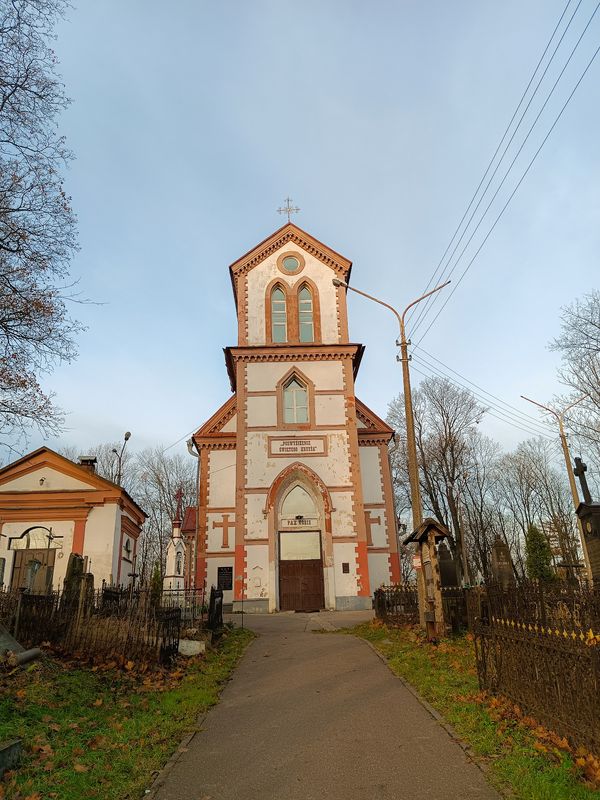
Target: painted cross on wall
(226, 525)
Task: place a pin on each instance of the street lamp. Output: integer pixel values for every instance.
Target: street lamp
(411, 446)
(119, 456)
(559, 416)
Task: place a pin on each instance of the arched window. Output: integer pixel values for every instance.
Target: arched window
(178, 564)
(295, 402)
(278, 315)
(305, 315)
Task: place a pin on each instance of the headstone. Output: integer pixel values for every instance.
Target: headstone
(502, 566)
(10, 755)
(8, 643)
(448, 570)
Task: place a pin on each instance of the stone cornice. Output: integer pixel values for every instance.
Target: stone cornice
(291, 353)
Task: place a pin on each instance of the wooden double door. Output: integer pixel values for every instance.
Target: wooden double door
(301, 586)
(33, 570)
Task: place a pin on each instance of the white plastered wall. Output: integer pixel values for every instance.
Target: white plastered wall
(333, 469)
(370, 470)
(379, 570)
(102, 540)
(346, 584)
(221, 487)
(261, 276)
(261, 411)
(257, 571)
(257, 524)
(53, 480)
(342, 516)
(263, 376)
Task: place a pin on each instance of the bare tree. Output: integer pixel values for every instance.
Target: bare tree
(579, 346)
(446, 417)
(37, 225)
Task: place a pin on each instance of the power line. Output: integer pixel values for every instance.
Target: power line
(421, 310)
(504, 416)
(514, 191)
(529, 418)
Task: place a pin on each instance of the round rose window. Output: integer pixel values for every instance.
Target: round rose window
(290, 263)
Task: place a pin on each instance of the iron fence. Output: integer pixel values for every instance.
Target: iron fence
(397, 604)
(107, 623)
(540, 647)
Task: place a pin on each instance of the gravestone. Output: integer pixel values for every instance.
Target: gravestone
(589, 515)
(503, 572)
(448, 570)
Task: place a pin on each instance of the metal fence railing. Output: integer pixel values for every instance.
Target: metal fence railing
(110, 623)
(539, 645)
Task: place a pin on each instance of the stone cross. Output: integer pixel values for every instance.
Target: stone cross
(368, 522)
(580, 470)
(179, 498)
(225, 524)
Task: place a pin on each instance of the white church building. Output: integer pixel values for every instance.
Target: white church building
(295, 507)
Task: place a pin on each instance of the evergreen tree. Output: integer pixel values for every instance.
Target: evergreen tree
(538, 555)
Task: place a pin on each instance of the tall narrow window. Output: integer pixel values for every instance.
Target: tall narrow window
(295, 402)
(278, 315)
(305, 315)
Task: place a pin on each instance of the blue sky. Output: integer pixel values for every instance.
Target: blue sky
(192, 121)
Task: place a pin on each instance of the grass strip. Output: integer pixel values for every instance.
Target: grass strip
(518, 763)
(104, 733)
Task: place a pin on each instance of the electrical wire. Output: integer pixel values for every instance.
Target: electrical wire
(503, 416)
(514, 191)
(528, 418)
(504, 135)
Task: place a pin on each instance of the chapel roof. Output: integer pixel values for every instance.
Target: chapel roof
(45, 457)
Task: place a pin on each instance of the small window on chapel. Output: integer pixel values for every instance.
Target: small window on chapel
(278, 316)
(305, 315)
(295, 402)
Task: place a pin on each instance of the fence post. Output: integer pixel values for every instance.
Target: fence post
(18, 616)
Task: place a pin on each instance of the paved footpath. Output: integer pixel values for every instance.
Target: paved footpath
(309, 716)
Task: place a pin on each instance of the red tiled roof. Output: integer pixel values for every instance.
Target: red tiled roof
(189, 520)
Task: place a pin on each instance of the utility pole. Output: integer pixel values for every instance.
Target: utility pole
(559, 416)
(404, 358)
(411, 445)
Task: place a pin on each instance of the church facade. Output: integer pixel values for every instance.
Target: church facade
(295, 508)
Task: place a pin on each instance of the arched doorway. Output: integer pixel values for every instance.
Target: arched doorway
(299, 531)
(34, 558)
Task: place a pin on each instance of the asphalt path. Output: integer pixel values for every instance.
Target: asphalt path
(309, 716)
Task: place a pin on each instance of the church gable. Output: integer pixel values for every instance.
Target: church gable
(285, 294)
(222, 424)
(370, 426)
(295, 237)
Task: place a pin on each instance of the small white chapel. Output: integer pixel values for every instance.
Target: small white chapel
(295, 505)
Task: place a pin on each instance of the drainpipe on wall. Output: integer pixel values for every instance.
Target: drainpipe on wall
(193, 451)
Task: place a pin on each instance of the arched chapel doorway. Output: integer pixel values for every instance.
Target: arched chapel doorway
(300, 548)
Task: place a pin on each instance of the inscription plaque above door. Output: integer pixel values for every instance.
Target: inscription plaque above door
(286, 446)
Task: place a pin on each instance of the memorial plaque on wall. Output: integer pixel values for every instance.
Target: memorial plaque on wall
(225, 578)
(288, 446)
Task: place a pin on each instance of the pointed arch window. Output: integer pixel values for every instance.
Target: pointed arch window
(295, 402)
(306, 322)
(278, 315)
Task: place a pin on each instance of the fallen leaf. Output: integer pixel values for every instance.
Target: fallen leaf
(80, 768)
(98, 702)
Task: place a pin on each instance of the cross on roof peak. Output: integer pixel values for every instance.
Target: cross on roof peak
(288, 208)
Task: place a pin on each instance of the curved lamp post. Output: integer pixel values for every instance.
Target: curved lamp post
(119, 455)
